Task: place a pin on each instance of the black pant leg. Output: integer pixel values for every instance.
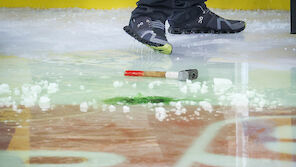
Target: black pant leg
(156, 9)
(184, 10)
(162, 9)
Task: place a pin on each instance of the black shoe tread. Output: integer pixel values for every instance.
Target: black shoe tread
(128, 30)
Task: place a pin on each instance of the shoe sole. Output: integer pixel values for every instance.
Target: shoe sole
(165, 49)
(198, 31)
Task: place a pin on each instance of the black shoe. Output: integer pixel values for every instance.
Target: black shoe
(149, 32)
(206, 22)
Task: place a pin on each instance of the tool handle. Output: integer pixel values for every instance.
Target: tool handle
(134, 73)
(158, 74)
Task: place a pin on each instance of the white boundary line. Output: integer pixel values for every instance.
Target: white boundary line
(197, 153)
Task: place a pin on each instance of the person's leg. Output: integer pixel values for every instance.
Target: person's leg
(293, 16)
(147, 24)
(183, 10)
(195, 17)
(155, 9)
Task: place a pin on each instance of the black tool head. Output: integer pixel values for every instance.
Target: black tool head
(190, 74)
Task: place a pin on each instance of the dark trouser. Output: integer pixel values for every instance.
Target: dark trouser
(293, 16)
(163, 9)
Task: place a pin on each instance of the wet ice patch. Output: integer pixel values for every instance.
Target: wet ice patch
(82, 87)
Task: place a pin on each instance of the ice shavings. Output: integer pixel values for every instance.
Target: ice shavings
(204, 88)
(197, 113)
(52, 88)
(194, 87)
(117, 84)
(104, 107)
(17, 92)
(4, 89)
(160, 113)
(184, 89)
(84, 107)
(221, 85)
(15, 108)
(178, 108)
(250, 98)
(93, 103)
(29, 95)
(44, 103)
(154, 83)
(112, 108)
(206, 106)
(125, 109)
(6, 101)
(188, 81)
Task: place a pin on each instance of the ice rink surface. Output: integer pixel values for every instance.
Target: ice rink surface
(59, 67)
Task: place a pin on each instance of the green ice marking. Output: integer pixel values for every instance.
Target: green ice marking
(139, 100)
(144, 100)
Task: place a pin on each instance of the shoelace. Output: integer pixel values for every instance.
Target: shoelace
(205, 10)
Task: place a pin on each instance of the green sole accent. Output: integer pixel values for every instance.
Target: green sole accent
(165, 49)
(139, 100)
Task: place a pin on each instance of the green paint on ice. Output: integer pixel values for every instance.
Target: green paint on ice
(139, 100)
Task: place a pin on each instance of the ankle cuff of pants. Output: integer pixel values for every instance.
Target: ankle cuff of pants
(180, 4)
(155, 13)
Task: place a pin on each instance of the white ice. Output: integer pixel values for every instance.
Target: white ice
(58, 53)
(44, 103)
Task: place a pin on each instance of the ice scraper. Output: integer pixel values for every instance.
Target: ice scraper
(184, 75)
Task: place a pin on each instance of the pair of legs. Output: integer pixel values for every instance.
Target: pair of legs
(163, 9)
(184, 16)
